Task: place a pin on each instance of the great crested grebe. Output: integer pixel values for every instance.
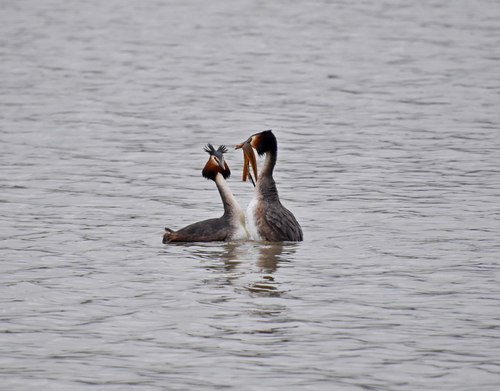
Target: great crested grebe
(231, 226)
(267, 218)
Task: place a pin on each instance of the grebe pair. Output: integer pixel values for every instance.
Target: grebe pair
(268, 219)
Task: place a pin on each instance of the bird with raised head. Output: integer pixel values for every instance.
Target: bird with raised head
(231, 225)
(267, 218)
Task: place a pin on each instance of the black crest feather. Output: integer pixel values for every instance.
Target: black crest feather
(266, 142)
(222, 149)
(210, 149)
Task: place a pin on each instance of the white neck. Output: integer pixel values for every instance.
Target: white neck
(231, 206)
(232, 210)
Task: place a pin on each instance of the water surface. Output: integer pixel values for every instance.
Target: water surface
(388, 127)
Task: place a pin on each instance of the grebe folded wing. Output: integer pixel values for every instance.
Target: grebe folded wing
(203, 231)
(283, 224)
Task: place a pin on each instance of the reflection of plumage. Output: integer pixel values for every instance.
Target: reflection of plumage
(267, 218)
(232, 223)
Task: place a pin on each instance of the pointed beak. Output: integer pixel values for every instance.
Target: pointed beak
(248, 159)
(222, 162)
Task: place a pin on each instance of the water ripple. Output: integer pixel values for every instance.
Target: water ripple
(386, 116)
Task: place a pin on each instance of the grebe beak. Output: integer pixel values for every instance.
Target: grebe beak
(248, 159)
(221, 162)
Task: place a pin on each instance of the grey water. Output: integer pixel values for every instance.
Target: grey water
(387, 117)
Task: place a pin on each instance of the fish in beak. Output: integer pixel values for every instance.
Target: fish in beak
(248, 159)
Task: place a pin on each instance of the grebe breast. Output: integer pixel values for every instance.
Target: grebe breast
(252, 219)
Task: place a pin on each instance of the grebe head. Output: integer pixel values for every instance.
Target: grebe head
(216, 163)
(263, 142)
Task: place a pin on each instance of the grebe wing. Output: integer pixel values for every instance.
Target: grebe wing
(212, 230)
(284, 224)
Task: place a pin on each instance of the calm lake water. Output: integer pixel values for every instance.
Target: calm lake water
(387, 117)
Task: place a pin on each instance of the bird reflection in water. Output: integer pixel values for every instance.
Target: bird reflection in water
(270, 255)
(248, 266)
(266, 285)
(232, 255)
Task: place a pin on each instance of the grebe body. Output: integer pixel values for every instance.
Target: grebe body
(231, 225)
(267, 218)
